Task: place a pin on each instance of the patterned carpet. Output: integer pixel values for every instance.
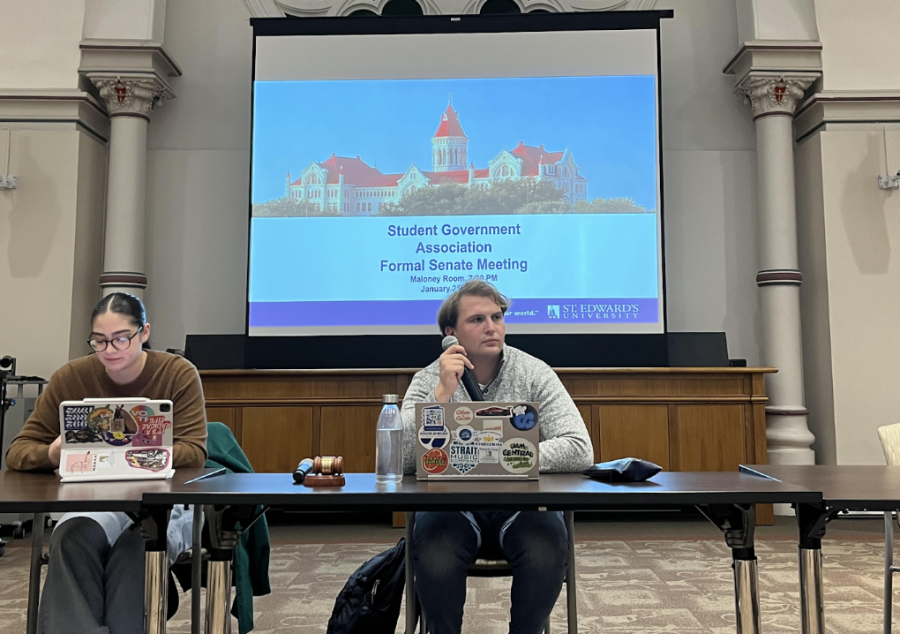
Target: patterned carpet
(640, 586)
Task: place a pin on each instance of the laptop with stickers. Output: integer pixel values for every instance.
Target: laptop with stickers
(480, 440)
(115, 439)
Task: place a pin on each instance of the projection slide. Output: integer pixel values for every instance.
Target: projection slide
(373, 199)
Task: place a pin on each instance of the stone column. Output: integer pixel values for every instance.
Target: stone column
(130, 101)
(773, 100)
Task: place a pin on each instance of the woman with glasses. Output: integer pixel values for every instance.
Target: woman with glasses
(95, 578)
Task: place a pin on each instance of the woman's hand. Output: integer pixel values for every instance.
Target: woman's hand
(54, 451)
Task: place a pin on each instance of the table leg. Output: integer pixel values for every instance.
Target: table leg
(811, 520)
(410, 578)
(196, 569)
(218, 594)
(571, 574)
(34, 578)
(223, 537)
(738, 523)
(156, 570)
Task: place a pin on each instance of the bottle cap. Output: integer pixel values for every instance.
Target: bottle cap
(389, 399)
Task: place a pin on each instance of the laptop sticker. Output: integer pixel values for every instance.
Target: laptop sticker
(80, 462)
(104, 459)
(434, 439)
(490, 444)
(524, 417)
(433, 418)
(463, 415)
(518, 455)
(149, 459)
(435, 461)
(84, 423)
(464, 434)
(120, 427)
(150, 427)
(493, 425)
(463, 458)
(502, 412)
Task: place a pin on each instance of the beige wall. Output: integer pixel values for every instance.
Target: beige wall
(861, 44)
(861, 237)
(46, 258)
(39, 43)
(849, 233)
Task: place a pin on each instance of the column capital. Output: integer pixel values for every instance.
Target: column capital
(131, 95)
(774, 94)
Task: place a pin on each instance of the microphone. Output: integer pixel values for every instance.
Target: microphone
(468, 379)
(305, 466)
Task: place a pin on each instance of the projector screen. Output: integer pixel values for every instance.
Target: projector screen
(390, 168)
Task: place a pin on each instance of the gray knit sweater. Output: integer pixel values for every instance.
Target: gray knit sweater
(565, 442)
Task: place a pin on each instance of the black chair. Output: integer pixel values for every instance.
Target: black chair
(502, 568)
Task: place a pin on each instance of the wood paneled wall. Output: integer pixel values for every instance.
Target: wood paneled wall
(685, 419)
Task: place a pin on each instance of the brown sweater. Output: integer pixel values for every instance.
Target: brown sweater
(165, 376)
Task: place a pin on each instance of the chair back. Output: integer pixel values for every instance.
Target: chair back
(889, 435)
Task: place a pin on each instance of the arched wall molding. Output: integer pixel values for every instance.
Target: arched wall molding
(320, 8)
(475, 6)
(349, 6)
(264, 9)
(547, 5)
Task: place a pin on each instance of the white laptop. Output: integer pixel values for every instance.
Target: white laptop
(115, 439)
(477, 441)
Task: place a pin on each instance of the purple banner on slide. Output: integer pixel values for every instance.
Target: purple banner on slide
(418, 312)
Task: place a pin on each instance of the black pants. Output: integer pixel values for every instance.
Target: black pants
(445, 544)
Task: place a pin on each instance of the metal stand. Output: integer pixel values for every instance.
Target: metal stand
(738, 522)
(6, 379)
(889, 569)
(4, 405)
(156, 569)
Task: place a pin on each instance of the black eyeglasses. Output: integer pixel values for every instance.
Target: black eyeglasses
(119, 343)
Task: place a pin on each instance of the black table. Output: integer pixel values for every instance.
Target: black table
(844, 488)
(41, 493)
(725, 498)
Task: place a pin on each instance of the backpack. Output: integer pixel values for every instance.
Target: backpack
(369, 603)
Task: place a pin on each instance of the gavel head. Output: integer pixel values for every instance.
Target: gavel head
(328, 465)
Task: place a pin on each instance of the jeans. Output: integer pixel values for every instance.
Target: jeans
(445, 544)
(95, 578)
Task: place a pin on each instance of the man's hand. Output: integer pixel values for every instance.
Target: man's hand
(54, 451)
(452, 364)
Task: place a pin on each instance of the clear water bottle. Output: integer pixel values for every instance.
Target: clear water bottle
(389, 442)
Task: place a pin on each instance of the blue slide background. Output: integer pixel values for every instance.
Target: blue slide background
(608, 123)
(339, 259)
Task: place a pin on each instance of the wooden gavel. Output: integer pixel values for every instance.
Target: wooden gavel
(328, 465)
(320, 471)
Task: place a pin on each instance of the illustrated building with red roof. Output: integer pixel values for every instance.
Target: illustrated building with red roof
(353, 187)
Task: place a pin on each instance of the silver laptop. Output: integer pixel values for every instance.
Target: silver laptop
(481, 440)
